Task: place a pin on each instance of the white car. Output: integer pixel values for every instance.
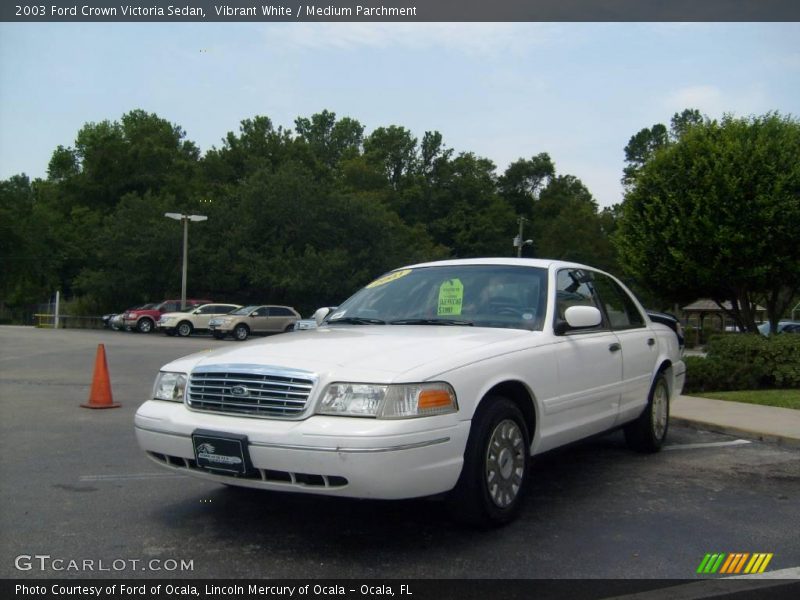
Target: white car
(441, 377)
(194, 319)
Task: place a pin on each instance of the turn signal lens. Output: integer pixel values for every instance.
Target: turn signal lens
(433, 399)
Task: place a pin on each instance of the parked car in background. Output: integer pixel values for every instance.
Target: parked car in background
(144, 320)
(184, 323)
(312, 321)
(116, 322)
(249, 320)
(783, 327)
(437, 378)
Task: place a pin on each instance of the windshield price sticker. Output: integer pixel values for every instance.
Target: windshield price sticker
(451, 297)
(390, 277)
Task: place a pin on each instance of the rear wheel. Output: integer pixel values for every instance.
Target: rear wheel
(495, 472)
(184, 329)
(144, 325)
(240, 333)
(648, 432)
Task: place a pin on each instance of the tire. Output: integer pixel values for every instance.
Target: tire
(184, 329)
(494, 477)
(289, 328)
(144, 326)
(169, 332)
(240, 332)
(648, 432)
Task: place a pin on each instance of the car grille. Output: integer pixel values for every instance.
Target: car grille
(260, 393)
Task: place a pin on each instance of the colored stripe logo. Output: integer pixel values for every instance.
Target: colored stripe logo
(734, 563)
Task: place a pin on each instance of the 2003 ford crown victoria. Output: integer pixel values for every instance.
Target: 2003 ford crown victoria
(437, 377)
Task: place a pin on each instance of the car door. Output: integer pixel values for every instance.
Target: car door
(259, 320)
(280, 318)
(589, 366)
(639, 344)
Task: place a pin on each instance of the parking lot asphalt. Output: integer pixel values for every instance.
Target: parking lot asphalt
(76, 487)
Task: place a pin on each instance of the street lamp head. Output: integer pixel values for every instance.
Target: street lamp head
(180, 217)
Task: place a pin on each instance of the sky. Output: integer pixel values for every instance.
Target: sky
(503, 91)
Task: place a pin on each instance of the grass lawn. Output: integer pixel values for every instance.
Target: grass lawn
(782, 398)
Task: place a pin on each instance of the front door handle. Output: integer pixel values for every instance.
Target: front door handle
(651, 342)
(615, 347)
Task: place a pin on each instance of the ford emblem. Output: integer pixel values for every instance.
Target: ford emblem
(240, 391)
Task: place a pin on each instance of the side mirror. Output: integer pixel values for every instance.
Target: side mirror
(579, 317)
(321, 313)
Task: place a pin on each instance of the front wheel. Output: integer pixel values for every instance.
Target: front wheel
(648, 432)
(145, 326)
(494, 477)
(240, 333)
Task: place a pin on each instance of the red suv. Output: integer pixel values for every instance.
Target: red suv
(144, 320)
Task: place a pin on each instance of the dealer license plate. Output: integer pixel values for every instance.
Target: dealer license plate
(221, 452)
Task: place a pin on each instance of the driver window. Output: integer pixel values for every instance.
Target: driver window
(574, 288)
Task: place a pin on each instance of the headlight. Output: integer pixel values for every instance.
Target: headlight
(170, 386)
(388, 401)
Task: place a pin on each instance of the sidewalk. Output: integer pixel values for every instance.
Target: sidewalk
(752, 421)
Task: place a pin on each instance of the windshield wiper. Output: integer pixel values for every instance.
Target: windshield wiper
(357, 321)
(431, 322)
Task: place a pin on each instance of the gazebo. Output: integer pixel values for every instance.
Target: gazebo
(697, 311)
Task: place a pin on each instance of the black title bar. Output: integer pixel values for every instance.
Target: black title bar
(398, 11)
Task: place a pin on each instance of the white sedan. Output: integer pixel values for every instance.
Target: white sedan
(441, 377)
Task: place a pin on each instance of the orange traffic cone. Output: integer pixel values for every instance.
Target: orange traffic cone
(100, 394)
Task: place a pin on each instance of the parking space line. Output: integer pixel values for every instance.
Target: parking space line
(130, 476)
(707, 445)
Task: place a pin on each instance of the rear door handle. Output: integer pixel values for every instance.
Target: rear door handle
(615, 347)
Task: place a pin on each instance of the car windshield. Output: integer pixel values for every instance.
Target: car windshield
(468, 295)
(245, 310)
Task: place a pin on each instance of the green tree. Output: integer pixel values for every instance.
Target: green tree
(715, 214)
(524, 180)
(566, 225)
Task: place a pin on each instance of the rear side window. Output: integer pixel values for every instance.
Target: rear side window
(620, 309)
(279, 311)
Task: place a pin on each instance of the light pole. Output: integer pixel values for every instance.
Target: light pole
(185, 219)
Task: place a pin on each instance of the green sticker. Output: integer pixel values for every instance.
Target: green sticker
(451, 298)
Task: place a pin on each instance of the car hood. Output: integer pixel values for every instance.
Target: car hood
(376, 352)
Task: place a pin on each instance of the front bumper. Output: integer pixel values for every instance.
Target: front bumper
(342, 456)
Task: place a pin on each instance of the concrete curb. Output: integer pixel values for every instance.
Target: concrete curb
(780, 426)
(748, 434)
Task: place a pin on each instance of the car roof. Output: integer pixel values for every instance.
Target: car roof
(544, 263)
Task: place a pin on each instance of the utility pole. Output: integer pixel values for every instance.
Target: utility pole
(518, 243)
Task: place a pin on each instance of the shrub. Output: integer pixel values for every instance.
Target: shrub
(745, 362)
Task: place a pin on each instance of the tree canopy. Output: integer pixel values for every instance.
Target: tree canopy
(302, 216)
(713, 212)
